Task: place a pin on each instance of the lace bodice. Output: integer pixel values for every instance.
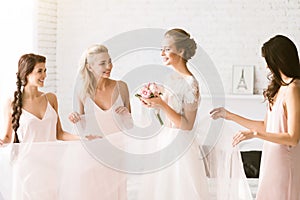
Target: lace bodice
(182, 93)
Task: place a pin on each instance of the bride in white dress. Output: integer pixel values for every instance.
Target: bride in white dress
(185, 178)
(190, 166)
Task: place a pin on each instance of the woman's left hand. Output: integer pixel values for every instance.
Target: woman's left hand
(243, 135)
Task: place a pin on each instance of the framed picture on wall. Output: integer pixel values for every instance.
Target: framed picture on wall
(242, 79)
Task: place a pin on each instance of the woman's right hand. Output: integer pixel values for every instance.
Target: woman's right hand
(74, 117)
(220, 112)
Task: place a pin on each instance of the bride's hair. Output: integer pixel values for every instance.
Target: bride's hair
(281, 55)
(25, 67)
(183, 41)
(88, 78)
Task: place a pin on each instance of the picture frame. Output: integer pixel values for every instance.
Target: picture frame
(242, 79)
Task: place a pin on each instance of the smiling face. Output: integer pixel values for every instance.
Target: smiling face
(37, 76)
(101, 65)
(170, 54)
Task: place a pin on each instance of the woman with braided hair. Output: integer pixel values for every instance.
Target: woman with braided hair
(32, 123)
(31, 107)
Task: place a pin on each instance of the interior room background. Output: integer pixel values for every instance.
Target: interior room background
(230, 31)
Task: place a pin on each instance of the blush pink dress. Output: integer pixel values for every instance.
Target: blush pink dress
(279, 177)
(35, 178)
(48, 169)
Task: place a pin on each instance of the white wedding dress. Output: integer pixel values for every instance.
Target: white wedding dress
(183, 176)
(192, 166)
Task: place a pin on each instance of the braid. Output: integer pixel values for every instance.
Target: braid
(26, 65)
(17, 108)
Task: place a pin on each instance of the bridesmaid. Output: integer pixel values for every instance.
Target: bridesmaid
(29, 118)
(32, 107)
(101, 94)
(279, 172)
(105, 104)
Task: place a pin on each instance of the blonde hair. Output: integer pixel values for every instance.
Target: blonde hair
(88, 78)
(183, 41)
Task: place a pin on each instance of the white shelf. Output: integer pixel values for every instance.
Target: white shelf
(236, 96)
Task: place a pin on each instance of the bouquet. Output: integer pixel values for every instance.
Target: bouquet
(148, 91)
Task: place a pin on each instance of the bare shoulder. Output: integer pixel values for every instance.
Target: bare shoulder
(294, 86)
(293, 91)
(51, 98)
(123, 86)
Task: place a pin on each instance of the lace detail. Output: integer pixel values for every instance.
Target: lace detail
(182, 93)
(192, 94)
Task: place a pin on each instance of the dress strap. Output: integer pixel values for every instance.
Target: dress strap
(120, 93)
(46, 97)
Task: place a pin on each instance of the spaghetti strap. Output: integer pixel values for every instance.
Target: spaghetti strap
(46, 98)
(118, 86)
(120, 93)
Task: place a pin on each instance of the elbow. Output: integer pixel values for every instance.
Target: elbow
(59, 136)
(188, 126)
(294, 142)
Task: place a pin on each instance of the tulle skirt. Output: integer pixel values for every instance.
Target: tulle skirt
(57, 171)
(189, 166)
(208, 168)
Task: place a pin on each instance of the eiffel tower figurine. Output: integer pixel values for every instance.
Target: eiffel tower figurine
(242, 83)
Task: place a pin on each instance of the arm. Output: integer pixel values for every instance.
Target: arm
(125, 95)
(60, 133)
(7, 137)
(183, 121)
(79, 110)
(125, 110)
(291, 137)
(248, 123)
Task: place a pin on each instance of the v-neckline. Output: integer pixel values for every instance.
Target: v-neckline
(112, 105)
(41, 119)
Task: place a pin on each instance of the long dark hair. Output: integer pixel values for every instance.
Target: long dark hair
(25, 66)
(281, 55)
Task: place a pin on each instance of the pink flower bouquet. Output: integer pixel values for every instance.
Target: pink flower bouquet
(150, 90)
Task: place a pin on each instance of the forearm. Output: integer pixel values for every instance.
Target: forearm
(178, 120)
(7, 139)
(279, 138)
(67, 136)
(248, 123)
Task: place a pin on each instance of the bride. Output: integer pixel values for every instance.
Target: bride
(188, 168)
(185, 178)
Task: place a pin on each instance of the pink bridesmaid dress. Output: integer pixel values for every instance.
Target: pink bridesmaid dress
(279, 177)
(51, 170)
(35, 178)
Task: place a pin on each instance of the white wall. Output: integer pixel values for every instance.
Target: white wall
(230, 31)
(16, 38)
